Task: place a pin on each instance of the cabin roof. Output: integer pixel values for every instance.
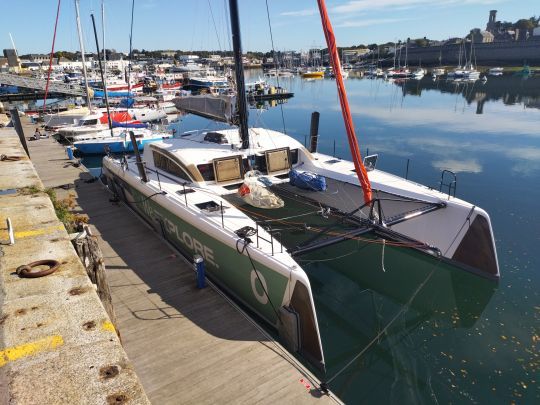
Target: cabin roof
(192, 148)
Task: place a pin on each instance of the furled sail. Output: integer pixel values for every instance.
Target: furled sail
(220, 107)
(347, 117)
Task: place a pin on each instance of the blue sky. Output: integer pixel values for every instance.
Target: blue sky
(187, 24)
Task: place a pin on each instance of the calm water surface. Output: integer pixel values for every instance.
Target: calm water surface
(437, 335)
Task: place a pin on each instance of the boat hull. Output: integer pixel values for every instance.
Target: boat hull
(98, 148)
(313, 75)
(232, 270)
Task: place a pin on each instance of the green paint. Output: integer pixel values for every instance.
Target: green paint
(224, 264)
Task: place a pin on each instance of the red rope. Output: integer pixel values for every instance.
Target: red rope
(51, 57)
(347, 117)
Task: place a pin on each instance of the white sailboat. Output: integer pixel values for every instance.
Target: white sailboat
(190, 189)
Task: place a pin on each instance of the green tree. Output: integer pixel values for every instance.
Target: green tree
(525, 24)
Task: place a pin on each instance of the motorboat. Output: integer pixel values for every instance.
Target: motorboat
(418, 73)
(313, 74)
(94, 125)
(120, 142)
(496, 71)
(53, 122)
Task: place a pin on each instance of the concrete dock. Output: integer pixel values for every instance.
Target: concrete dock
(57, 343)
(186, 345)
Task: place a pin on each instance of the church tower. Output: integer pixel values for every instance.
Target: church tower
(490, 27)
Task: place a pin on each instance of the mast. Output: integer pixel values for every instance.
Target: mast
(81, 45)
(130, 50)
(406, 52)
(50, 58)
(239, 73)
(13, 45)
(347, 116)
(103, 39)
(102, 78)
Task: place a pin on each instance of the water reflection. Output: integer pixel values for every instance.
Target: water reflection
(266, 104)
(386, 305)
(510, 90)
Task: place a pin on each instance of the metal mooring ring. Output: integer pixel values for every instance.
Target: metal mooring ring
(9, 158)
(25, 270)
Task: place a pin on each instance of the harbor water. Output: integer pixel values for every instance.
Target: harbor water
(417, 330)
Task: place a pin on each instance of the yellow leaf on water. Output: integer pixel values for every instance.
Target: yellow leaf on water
(503, 337)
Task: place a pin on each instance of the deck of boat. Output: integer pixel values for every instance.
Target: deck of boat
(187, 345)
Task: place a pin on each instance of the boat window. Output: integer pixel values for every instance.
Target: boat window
(89, 122)
(294, 156)
(209, 206)
(169, 166)
(278, 160)
(207, 171)
(227, 169)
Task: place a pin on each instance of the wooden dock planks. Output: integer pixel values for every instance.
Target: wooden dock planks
(187, 345)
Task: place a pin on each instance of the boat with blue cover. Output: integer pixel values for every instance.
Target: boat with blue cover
(120, 143)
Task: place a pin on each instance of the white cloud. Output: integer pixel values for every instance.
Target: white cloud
(458, 166)
(366, 23)
(300, 13)
(500, 123)
(370, 5)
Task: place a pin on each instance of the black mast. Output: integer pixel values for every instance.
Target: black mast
(239, 73)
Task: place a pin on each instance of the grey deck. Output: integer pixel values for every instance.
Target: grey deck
(187, 345)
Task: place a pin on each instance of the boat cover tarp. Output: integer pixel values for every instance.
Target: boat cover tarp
(119, 116)
(219, 108)
(254, 192)
(307, 180)
(101, 94)
(127, 102)
(116, 124)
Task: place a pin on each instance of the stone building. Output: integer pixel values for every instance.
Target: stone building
(481, 37)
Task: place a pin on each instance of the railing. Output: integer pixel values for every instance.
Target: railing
(186, 191)
(451, 185)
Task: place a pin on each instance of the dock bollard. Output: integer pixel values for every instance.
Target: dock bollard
(69, 151)
(199, 268)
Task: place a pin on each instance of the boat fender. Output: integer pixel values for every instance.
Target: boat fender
(289, 328)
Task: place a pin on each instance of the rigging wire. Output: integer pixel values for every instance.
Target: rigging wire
(274, 58)
(215, 27)
(227, 23)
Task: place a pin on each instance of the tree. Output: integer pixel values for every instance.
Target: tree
(525, 24)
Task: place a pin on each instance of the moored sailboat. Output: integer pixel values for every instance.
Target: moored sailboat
(190, 189)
